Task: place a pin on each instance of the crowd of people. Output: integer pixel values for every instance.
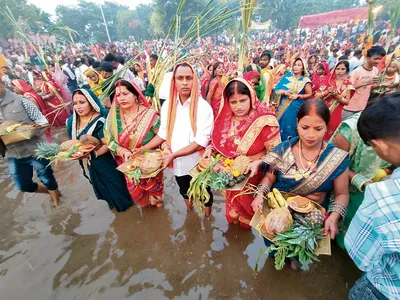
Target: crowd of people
(316, 112)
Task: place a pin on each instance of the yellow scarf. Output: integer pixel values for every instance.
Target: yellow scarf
(173, 97)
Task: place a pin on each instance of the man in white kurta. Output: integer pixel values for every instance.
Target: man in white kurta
(183, 144)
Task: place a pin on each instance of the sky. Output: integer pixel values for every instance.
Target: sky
(49, 6)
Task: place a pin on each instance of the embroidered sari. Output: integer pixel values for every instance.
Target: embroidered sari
(318, 80)
(335, 107)
(331, 164)
(363, 161)
(107, 182)
(148, 192)
(287, 109)
(257, 133)
(30, 93)
(58, 111)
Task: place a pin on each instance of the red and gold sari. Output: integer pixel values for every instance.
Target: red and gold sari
(148, 192)
(58, 109)
(29, 92)
(335, 107)
(259, 132)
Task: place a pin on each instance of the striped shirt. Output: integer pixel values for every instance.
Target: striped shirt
(373, 237)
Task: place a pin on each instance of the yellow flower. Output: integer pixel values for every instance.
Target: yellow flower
(236, 173)
(218, 155)
(228, 169)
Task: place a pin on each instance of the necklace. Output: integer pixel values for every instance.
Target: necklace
(309, 162)
(125, 118)
(306, 172)
(83, 122)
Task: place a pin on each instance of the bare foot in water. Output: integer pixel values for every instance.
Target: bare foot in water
(55, 196)
(189, 204)
(208, 210)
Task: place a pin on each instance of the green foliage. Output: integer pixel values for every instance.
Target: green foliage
(86, 19)
(37, 20)
(157, 20)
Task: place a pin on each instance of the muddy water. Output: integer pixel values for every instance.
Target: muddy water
(83, 250)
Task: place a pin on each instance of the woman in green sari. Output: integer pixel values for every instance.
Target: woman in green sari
(364, 163)
(131, 124)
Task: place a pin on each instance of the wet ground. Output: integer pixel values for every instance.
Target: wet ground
(83, 250)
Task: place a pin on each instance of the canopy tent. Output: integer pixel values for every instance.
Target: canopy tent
(334, 17)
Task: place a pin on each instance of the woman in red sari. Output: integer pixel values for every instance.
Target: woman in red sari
(131, 124)
(244, 126)
(321, 75)
(337, 91)
(215, 87)
(205, 79)
(24, 89)
(58, 109)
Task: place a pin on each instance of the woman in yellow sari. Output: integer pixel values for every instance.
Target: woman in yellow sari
(131, 124)
(95, 81)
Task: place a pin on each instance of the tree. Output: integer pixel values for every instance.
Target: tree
(144, 11)
(156, 24)
(86, 19)
(37, 20)
(164, 13)
(134, 23)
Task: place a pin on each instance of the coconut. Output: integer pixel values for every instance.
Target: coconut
(87, 139)
(149, 162)
(278, 221)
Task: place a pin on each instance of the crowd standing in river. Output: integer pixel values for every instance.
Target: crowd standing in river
(319, 119)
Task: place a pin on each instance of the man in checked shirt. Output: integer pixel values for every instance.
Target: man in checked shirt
(21, 160)
(373, 237)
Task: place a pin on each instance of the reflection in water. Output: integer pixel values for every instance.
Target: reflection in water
(85, 251)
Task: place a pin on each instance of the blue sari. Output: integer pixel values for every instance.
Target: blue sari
(107, 182)
(331, 164)
(287, 109)
(281, 161)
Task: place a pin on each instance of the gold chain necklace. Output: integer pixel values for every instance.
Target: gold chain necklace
(125, 118)
(311, 165)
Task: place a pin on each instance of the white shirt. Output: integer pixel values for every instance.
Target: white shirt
(165, 86)
(183, 135)
(354, 63)
(80, 76)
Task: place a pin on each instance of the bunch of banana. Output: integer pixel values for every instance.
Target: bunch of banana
(275, 199)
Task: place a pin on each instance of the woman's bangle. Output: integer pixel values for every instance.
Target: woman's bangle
(262, 189)
(339, 208)
(164, 146)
